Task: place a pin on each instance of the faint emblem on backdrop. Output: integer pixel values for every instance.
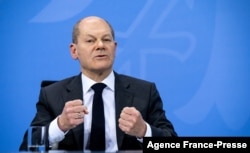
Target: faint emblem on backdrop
(164, 29)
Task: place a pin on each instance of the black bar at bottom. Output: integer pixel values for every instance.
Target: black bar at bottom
(196, 144)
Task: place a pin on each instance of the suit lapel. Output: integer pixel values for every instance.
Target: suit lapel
(123, 98)
(74, 91)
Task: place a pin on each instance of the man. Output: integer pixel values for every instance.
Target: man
(133, 107)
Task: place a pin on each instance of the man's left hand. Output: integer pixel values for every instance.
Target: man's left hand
(132, 123)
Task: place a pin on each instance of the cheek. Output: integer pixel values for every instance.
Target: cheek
(114, 55)
(85, 57)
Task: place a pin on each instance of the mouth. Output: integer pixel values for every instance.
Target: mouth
(101, 56)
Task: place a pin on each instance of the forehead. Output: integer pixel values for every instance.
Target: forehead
(94, 26)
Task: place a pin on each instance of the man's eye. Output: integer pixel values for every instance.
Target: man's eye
(90, 41)
(107, 40)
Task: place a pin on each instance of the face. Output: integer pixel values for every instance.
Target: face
(95, 48)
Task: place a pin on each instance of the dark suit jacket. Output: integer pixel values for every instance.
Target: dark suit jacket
(129, 91)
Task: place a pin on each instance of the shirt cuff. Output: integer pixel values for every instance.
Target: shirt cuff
(55, 133)
(147, 134)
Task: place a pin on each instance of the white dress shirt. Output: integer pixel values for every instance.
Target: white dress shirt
(109, 110)
(56, 135)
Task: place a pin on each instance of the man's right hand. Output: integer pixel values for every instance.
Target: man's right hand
(72, 115)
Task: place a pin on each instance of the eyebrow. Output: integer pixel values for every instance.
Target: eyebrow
(103, 35)
(106, 35)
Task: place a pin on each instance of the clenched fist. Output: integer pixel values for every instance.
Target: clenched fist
(131, 122)
(72, 115)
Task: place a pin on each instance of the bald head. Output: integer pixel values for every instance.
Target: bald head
(89, 20)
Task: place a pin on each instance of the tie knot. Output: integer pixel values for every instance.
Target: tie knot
(98, 87)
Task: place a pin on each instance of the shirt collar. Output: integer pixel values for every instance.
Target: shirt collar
(87, 82)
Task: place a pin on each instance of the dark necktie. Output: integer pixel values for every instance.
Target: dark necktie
(97, 135)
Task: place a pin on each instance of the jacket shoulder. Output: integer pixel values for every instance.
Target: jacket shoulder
(132, 79)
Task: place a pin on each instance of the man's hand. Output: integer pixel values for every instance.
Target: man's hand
(132, 123)
(72, 115)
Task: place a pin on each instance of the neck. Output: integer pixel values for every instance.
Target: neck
(97, 76)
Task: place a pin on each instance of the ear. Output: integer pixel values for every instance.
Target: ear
(115, 47)
(73, 51)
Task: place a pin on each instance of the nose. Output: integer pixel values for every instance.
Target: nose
(100, 45)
